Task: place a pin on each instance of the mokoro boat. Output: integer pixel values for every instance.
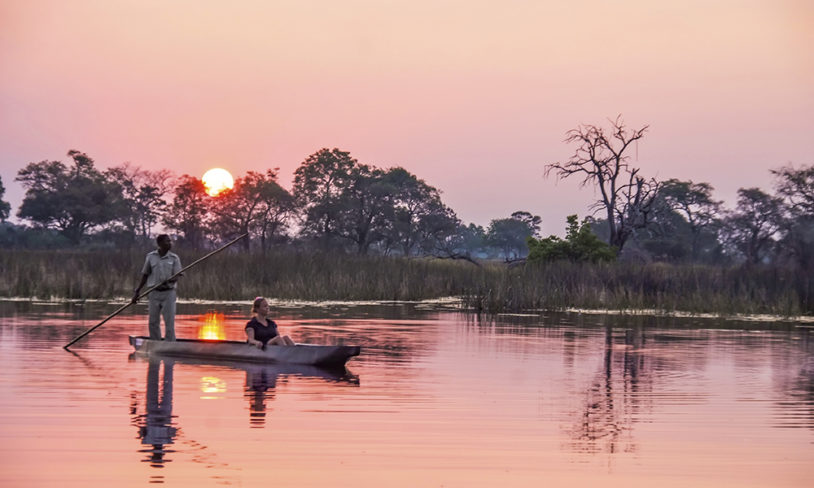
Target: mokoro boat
(242, 351)
(335, 373)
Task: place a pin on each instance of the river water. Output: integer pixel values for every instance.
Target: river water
(437, 398)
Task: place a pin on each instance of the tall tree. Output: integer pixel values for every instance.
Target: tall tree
(694, 203)
(319, 183)
(5, 207)
(365, 207)
(255, 205)
(414, 205)
(510, 235)
(72, 199)
(471, 239)
(188, 212)
(602, 159)
(753, 226)
(276, 207)
(796, 187)
(532, 221)
(444, 236)
(143, 193)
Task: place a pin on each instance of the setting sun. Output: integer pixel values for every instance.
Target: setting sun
(217, 180)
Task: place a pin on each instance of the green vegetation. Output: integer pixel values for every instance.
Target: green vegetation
(580, 245)
(656, 286)
(491, 287)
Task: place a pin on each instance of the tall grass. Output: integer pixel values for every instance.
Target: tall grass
(621, 286)
(235, 276)
(493, 287)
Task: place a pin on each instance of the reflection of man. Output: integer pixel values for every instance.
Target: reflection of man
(159, 266)
(157, 429)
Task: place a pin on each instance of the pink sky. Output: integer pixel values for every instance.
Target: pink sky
(472, 96)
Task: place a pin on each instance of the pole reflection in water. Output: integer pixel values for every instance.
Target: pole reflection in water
(156, 426)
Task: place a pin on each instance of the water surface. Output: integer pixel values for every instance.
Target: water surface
(437, 398)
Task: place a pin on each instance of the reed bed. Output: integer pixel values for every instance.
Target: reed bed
(661, 287)
(492, 287)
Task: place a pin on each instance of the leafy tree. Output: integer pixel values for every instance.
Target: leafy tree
(580, 244)
(753, 226)
(5, 207)
(510, 235)
(275, 209)
(796, 187)
(254, 205)
(72, 200)
(417, 211)
(471, 239)
(444, 236)
(319, 183)
(364, 208)
(188, 212)
(532, 221)
(143, 193)
(684, 224)
(693, 202)
(601, 157)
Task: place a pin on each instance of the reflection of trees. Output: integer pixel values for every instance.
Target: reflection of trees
(155, 425)
(796, 382)
(613, 401)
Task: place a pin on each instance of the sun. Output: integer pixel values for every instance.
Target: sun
(216, 180)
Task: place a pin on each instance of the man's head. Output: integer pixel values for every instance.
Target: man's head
(164, 243)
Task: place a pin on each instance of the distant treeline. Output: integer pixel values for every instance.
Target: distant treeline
(341, 208)
(491, 287)
(340, 205)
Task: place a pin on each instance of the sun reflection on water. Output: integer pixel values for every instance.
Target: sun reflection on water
(212, 387)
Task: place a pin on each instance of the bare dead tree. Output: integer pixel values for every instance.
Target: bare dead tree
(626, 197)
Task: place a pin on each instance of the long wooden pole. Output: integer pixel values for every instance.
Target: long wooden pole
(121, 309)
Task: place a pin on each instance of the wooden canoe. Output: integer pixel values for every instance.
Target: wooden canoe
(242, 351)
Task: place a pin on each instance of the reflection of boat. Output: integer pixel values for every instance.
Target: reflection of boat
(338, 374)
(242, 351)
(262, 378)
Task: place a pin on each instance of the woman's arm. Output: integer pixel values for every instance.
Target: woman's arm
(251, 340)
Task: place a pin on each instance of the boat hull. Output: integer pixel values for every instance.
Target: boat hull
(242, 351)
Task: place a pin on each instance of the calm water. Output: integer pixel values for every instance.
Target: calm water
(436, 399)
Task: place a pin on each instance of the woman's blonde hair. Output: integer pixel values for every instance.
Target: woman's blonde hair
(256, 303)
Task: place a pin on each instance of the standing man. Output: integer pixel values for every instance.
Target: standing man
(159, 266)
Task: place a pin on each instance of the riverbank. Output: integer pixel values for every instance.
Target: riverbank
(489, 288)
(448, 304)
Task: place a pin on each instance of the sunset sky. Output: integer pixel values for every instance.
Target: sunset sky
(472, 96)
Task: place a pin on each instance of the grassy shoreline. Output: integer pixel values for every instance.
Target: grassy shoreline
(442, 304)
(490, 288)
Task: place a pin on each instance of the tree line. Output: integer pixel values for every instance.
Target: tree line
(681, 221)
(338, 203)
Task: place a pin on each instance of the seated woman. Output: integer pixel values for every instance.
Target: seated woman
(261, 330)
